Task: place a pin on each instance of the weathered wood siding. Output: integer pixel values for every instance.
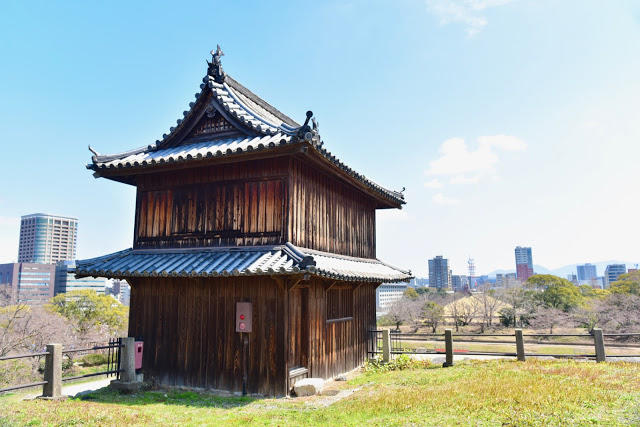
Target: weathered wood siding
(256, 202)
(339, 346)
(188, 328)
(227, 205)
(329, 215)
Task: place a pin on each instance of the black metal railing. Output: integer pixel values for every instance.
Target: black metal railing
(113, 359)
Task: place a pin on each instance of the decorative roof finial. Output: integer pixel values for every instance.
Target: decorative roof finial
(215, 66)
(308, 133)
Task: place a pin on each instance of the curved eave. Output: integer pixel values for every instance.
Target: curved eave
(125, 170)
(238, 261)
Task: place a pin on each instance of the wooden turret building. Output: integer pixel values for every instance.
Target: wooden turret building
(239, 203)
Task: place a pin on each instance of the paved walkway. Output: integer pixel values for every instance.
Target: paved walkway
(78, 388)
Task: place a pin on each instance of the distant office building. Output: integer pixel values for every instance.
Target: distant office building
(597, 282)
(47, 239)
(122, 291)
(386, 294)
(439, 273)
(572, 278)
(28, 283)
(586, 273)
(612, 272)
(524, 263)
(460, 283)
(67, 282)
(125, 293)
(419, 282)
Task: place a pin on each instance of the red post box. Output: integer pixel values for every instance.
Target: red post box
(138, 349)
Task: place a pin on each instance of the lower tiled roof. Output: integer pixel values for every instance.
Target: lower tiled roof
(238, 261)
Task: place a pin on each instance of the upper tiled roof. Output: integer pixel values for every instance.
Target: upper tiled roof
(238, 261)
(260, 126)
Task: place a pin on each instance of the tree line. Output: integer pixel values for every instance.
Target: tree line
(76, 319)
(544, 301)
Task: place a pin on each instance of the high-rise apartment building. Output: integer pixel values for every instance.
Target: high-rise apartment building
(47, 239)
(524, 263)
(28, 283)
(439, 273)
(612, 272)
(586, 273)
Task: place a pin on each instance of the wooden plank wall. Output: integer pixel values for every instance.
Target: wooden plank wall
(328, 215)
(188, 329)
(338, 347)
(227, 205)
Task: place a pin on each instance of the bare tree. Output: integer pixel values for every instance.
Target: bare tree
(487, 305)
(549, 317)
(461, 311)
(397, 313)
(433, 314)
(17, 330)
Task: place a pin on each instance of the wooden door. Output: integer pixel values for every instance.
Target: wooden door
(298, 338)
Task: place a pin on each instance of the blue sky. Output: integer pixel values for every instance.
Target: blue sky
(508, 122)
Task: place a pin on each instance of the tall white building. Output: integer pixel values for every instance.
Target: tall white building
(47, 239)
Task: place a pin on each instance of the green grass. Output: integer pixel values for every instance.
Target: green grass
(472, 393)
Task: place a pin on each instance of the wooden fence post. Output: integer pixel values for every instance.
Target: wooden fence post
(520, 345)
(598, 340)
(386, 345)
(448, 346)
(53, 372)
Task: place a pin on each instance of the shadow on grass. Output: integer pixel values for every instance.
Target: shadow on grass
(167, 397)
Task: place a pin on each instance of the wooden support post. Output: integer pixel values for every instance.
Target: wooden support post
(386, 345)
(53, 372)
(598, 340)
(520, 345)
(448, 345)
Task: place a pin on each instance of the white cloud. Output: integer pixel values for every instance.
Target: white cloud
(434, 183)
(504, 142)
(464, 179)
(467, 165)
(441, 199)
(466, 12)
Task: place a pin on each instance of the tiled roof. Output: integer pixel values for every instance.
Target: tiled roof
(238, 261)
(195, 151)
(265, 126)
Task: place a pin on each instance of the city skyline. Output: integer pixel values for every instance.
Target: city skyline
(488, 141)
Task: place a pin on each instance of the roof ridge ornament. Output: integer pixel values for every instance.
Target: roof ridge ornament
(309, 133)
(215, 66)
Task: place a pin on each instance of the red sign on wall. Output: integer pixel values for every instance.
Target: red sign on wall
(243, 317)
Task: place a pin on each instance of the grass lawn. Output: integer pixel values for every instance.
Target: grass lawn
(497, 392)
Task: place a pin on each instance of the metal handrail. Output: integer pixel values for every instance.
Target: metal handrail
(18, 387)
(23, 356)
(102, 347)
